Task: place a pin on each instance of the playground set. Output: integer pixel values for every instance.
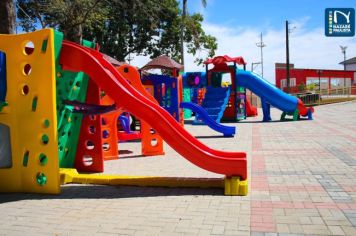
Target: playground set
(226, 100)
(60, 103)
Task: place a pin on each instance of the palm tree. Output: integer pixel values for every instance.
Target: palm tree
(184, 14)
(7, 17)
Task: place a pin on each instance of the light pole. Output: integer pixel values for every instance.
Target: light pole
(287, 55)
(343, 51)
(319, 72)
(261, 45)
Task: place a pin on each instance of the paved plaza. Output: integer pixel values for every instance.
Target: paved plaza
(302, 179)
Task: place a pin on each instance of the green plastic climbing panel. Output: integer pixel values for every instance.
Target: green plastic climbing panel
(70, 86)
(295, 116)
(187, 98)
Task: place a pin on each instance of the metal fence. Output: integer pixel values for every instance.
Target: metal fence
(325, 96)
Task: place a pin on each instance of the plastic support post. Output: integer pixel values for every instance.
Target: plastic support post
(266, 107)
(310, 114)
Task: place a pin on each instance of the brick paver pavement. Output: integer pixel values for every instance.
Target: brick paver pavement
(302, 175)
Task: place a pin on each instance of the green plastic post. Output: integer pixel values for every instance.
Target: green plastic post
(296, 115)
(2, 105)
(69, 86)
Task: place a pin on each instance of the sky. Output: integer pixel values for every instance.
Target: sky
(237, 26)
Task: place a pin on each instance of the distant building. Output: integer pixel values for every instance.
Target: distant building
(328, 79)
(350, 64)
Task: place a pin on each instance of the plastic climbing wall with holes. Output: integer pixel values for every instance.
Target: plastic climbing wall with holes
(29, 158)
(152, 143)
(89, 156)
(98, 138)
(70, 86)
(165, 92)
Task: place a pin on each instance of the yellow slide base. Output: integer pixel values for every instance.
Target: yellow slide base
(236, 187)
(72, 176)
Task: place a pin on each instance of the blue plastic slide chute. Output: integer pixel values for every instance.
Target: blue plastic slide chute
(2, 77)
(125, 122)
(270, 94)
(228, 131)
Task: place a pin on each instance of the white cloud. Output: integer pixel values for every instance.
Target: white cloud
(308, 48)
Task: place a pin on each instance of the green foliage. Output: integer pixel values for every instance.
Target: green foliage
(311, 87)
(301, 87)
(196, 38)
(122, 27)
(69, 16)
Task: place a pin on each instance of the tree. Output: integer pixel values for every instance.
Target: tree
(184, 15)
(145, 27)
(150, 27)
(69, 16)
(301, 87)
(7, 17)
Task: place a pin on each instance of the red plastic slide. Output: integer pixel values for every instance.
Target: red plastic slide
(250, 110)
(77, 58)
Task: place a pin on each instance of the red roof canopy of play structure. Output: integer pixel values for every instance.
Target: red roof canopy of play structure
(223, 59)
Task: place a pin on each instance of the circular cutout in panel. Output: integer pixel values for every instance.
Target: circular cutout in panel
(27, 69)
(45, 139)
(91, 129)
(154, 142)
(29, 48)
(89, 145)
(41, 178)
(25, 90)
(87, 160)
(106, 134)
(43, 159)
(46, 123)
(152, 131)
(106, 147)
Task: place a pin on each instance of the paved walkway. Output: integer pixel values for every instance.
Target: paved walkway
(302, 175)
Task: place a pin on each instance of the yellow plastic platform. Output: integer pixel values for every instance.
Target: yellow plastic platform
(31, 114)
(235, 187)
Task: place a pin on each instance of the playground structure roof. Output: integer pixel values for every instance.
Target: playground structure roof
(224, 59)
(162, 62)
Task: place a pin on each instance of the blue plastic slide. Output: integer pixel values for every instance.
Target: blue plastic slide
(271, 94)
(125, 122)
(2, 76)
(226, 130)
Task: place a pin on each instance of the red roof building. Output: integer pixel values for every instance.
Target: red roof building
(328, 79)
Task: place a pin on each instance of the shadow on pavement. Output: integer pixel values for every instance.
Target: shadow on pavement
(110, 192)
(210, 136)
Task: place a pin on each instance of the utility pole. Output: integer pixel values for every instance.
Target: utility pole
(287, 57)
(343, 50)
(261, 45)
